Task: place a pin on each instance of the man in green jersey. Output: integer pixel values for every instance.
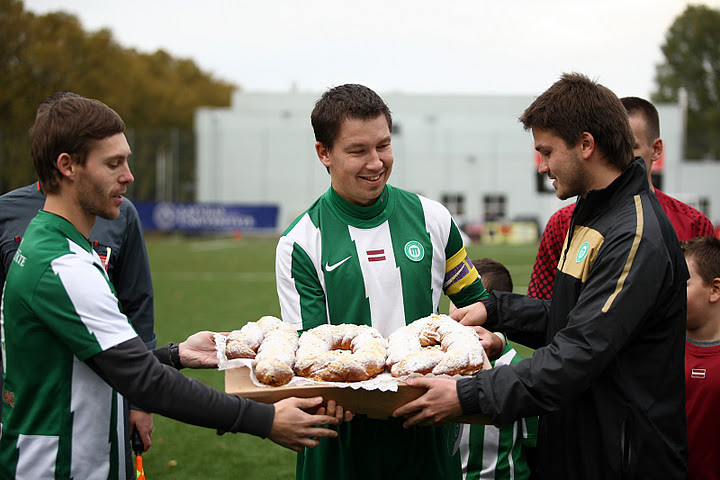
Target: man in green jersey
(490, 452)
(368, 253)
(68, 350)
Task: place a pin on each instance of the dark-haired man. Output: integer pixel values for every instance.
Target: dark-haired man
(369, 253)
(69, 353)
(607, 375)
(121, 247)
(687, 221)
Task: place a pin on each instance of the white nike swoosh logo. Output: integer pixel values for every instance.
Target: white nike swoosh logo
(330, 268)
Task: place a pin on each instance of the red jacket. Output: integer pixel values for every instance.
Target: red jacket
(687, 222)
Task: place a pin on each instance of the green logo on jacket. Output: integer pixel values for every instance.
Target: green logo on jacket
(414, 251)
(582, 253)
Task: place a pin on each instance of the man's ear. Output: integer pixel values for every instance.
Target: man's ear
(65, 165)
(657, 149)
(323, 154)
(715, 290)
(587, 144)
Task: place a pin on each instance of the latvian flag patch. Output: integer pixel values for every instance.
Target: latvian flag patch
(104, 256)
(104, 260)
(376, 255)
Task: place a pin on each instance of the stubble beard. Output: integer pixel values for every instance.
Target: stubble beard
(575, 179)
(91, 201)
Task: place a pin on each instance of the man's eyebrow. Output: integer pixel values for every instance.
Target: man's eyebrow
(118, 157)
(355, 145)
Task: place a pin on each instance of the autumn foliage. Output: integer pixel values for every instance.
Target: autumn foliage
(42, 54)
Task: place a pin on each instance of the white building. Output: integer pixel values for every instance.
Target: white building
(469, 152)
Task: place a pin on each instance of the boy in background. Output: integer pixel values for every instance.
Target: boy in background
(702, 356)
(489, 452)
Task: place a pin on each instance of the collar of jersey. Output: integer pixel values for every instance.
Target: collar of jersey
(357, 215)
(631, 181)
(67, 228)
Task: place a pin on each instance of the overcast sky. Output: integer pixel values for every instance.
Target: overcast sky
(412, 46)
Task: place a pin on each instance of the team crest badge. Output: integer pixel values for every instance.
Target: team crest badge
(414, 251)
(582, 253)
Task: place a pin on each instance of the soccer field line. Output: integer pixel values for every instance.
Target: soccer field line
(241, 277)
(216, 276)
(214, 244)
(270, 276)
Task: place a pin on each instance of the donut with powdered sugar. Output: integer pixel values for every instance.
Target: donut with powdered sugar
(436, 344)
(341, 353)
(272, 343)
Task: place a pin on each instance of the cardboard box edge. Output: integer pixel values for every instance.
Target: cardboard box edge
(373, 403)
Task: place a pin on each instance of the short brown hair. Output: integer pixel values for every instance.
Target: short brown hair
(575, 104)
(343, 102)
(52, 98)
(640, 106)
(493, 275)
(705, 252)
(68, 124)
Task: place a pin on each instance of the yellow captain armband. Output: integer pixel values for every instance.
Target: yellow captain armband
(459, 272)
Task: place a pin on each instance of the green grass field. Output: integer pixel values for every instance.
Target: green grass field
(220, 284)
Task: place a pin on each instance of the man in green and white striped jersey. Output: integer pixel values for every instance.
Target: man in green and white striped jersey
(366, 252)
(69, 352)
(506, 452)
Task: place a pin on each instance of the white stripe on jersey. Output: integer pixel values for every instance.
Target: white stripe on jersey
(491, 438)
(120, 432)
(36, 457)
(464, 448)
(491, 441)
(93, 301)
(307, 236)
(383, 286)
(439, 235)
(90, 404)
(506, 358)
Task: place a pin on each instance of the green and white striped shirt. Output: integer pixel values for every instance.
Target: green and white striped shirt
(59, 418)
(385, 265)
(492, 453)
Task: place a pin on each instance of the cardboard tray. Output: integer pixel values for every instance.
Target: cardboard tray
(373, 403)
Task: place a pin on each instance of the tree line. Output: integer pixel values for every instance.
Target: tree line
(155, 93)
(692, 64)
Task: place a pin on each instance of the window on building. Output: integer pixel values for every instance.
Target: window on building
(455, 202)
(543, 183)
(495, 207)
(657, 180)
(704, 204)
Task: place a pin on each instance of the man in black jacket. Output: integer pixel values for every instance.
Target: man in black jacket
(607, 375)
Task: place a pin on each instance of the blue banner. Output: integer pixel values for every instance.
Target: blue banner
(206, 217)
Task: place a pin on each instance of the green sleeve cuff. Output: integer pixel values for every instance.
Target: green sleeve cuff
(473, 293)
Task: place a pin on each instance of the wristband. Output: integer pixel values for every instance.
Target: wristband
(501, 336)
(175, 356)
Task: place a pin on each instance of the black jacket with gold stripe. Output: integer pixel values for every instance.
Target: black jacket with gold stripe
(607, 378)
